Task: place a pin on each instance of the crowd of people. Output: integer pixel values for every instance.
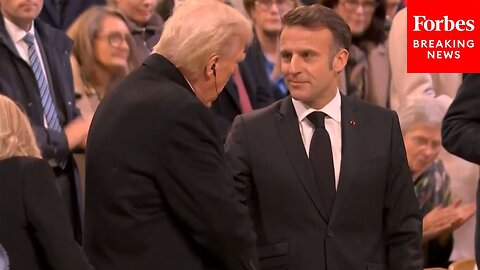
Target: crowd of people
(213, 134)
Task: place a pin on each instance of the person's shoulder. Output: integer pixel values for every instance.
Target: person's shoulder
(26, 166)
(265, 112)
(52, 35)
(367, 109)
(19, 161)
(32, 165)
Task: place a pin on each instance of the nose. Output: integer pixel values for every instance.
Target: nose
(293, 65)
(124, 45)
(429, 151)
(274, 7)
(149, 3)
(360, 8)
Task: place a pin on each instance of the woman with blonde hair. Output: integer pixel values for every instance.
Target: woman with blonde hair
(35, 231)
(102, 53)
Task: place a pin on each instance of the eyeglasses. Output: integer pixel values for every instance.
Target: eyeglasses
(367, 6)
(281, 4)
(115, 39)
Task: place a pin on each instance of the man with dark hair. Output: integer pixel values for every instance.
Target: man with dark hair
(325, 177)
(35, 72)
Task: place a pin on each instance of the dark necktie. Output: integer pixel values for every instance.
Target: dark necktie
(321, 160)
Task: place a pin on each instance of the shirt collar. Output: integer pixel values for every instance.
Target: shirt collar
(16, 33)
(332, 109)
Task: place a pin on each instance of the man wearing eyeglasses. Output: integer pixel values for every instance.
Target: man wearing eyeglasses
(325, 176)
(35, 72)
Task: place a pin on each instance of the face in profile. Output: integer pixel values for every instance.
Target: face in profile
(139, 11)
(21, 12)
(357, 13)
(224, 68)
(422, 144)
(267, 14)
(306, 64)
(111, 46)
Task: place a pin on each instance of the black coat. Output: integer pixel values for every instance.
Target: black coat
(34, 227)
(461, 130)
(159, 193)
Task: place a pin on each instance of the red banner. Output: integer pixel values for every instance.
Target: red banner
(443, 36)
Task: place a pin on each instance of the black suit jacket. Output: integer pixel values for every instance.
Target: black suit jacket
(375, 222)
(34, 227)
(461, 130)
(159, 193)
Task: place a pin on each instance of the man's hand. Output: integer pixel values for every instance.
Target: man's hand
(76, 131)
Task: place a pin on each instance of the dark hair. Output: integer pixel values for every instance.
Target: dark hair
(250, 4)
(318, 16)
(375, 32)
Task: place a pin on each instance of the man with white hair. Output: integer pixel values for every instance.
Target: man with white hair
(160, 194)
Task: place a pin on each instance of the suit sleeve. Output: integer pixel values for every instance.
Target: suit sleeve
(403, 221)
(48, 219)
(53, 144)
(199, 190)
(461, 126)
(236, 149)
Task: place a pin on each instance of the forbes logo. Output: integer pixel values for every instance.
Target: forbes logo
(424, 24)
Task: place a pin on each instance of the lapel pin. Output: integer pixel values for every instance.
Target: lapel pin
(352, 123)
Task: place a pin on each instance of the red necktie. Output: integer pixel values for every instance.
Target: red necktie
(245, 104)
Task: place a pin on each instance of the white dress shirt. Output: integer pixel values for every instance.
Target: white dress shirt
(17, 34)
(332, 125)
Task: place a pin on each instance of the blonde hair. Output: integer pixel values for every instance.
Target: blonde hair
(16, 135)
(84, 31)
(199, 29)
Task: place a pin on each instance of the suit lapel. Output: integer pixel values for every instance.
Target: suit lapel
(351, 127)
(287, 127)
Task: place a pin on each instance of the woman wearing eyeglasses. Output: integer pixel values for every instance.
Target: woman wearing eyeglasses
(420, 120)
(366, 73)
(102, 53)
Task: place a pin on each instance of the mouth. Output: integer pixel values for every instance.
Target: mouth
(296, 82)
(28, 5)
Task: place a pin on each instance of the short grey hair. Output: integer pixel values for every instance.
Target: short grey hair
(422, 110)
(197, 30)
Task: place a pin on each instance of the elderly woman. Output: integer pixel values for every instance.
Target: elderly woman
(420, 120)
(35, 231)
(366, 74)
(102, 53)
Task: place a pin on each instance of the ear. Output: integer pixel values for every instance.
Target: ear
(211, 68)
(340, 60)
